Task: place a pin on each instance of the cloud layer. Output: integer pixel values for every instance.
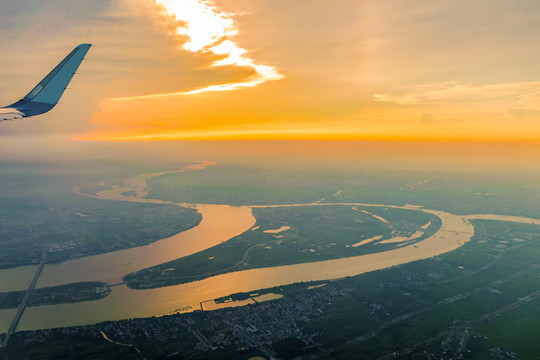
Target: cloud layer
(354, 70)
(456, 91)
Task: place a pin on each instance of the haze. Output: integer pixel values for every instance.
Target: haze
(176, 70)
(362, 175)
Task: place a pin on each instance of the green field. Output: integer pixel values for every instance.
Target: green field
(76, 226)
(315, 233)
(38, 210)
(480, 301)
(75, 292)
(457, 193)
(475, 301)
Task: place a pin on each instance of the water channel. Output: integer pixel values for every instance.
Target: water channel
(219, 223)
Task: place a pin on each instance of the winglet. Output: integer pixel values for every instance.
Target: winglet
(45, 95)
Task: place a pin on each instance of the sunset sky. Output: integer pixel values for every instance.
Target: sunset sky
(279, 69)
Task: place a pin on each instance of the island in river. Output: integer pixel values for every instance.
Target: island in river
(320, 253)
(466, 300)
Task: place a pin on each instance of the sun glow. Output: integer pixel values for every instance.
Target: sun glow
(209, 31)
(357, 71)
(205, 25)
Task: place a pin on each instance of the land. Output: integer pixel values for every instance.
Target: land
(75, 226)
(453, 192)
(311, 233)
(479, 301)
(38, 206)
(39, 209)
(75, 292)
(476, 302)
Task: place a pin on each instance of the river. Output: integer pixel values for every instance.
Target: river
(220, 223)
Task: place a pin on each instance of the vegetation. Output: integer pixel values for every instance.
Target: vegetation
(314, 233)
(457, 193)
(48, 215)
(480, 301)
(70, 293)
(76, 226)
(476, 294)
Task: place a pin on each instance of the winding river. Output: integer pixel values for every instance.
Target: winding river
(219, 223)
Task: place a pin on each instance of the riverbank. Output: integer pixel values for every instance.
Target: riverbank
(219, 224)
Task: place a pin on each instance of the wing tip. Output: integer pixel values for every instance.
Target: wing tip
(85, 47)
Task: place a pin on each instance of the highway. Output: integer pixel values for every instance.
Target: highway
(24, 301)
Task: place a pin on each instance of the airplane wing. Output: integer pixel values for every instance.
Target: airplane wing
(45, 95)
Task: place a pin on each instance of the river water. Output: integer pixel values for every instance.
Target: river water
(219, 223)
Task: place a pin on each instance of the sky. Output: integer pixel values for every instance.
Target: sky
(386, 70)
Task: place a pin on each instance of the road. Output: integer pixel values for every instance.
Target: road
(441, 303)
(480, 319)
(24, 301)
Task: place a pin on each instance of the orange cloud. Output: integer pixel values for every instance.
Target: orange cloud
(210, 31)
(454, 90)
(172, 62)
